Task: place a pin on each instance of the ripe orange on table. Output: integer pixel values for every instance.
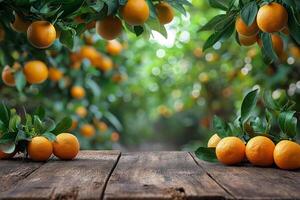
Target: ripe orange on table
(164, 12)
(66, 146)
(81, 111)
(259, 151)
(20, 25)
(114, 47)
(244, 29)
(213, 141)
(77, 92)
(6, 155)
(55, 74)
(272, 17)
(39, 149)
(230, 150)
(135, 12)
(87, 130)
(109, 28)
(247, 40)
(8, 76)
(41, 34)
(287, 155)
(35, 71)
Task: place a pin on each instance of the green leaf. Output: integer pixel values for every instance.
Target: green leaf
(288, 123)
(212, 23)
(248, 13)
(248, 105)
(21, 135)
(8, 147)
(207, 154)
(14, 123)
(267, 46)
(38, 125)
(221, 4)
(62, 126)
(269, 101)
(4, 114)
(219, 127)
(20, 81)
(49, 136)
(40, 112)
(48, 125)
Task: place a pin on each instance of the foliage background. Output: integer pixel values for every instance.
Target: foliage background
(172, 89)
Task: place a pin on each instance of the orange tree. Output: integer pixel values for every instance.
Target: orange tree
(271, 24)
(55, 54)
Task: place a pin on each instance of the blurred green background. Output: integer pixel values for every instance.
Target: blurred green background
(170, 89)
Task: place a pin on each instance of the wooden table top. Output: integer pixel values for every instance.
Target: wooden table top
(142, 175)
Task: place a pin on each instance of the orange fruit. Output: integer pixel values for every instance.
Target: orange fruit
(35, 72)
(245, 30)
(135, 12)
(55, 74)
(272, 17)
(247, 40)
(39, 149)
(41, 34)
(75, 57)
(259, 151)
(87, 130)
(89, 53)
(8, 76)
(77, 92)
(115, 137)
(102, 126)
(109, 28)
(287, 155)
(4, 156)
(277, 43)
(198, 52)
(230, 150)
(114, 47)
(106, 64)
(20, 25)
(295, 51)
(164, 12)
(81, 111)
(213, 141)
(2, 34)
(66, 146)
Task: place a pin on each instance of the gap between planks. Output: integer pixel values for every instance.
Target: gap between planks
(220, 185)
(109, 175)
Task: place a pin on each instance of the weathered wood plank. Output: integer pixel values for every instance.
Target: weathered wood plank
(83, 178)
(160, 175)
(248, 182)
(14, 170)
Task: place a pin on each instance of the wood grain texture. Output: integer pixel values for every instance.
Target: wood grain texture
(83, 178)
(13, 171)
(248, 182)
(160, 175)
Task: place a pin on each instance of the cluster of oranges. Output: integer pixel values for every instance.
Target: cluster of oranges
(35, 72)
(271, 18)
(42, 34)
(135, 13)
(65, 147)
(259, 151)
